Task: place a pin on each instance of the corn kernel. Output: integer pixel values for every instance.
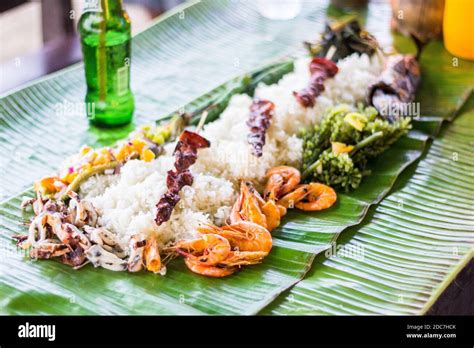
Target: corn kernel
(158, 139)
(103, 157)
(166, 132)
(147, 155)
(123, 153)
(138, 144)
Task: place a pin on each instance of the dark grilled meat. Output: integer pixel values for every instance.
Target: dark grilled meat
(261, 113)
(321, 69)
(185, 156)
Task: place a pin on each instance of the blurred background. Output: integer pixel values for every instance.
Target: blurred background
(38, 37)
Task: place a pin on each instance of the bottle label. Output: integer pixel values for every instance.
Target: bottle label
(92, 5)
(122, 80)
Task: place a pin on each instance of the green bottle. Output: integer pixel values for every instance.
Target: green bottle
(105, 33)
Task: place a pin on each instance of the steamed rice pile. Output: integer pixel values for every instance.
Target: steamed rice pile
(126, 202)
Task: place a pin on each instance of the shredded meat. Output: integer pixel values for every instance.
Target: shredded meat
(261, 113)
(321, 69)
(185, 156)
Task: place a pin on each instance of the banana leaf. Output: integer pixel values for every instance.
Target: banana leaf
(296, 244)
(408, 249)
(36, 136)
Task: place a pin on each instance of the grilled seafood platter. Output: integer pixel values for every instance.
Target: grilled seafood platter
(213, 194)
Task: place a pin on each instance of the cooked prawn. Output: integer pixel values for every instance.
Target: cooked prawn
(281, 180)
(208, 271)
(243, 258)
(290, 199)
(151, 255)
(272, 214)
(310, 197)
(243, 235)
(208, 250)
(319, 197)
(247, 206)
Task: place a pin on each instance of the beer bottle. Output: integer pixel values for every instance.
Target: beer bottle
(104, 28)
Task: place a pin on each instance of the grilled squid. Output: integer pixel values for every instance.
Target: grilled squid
(396, 86)
(321, 69)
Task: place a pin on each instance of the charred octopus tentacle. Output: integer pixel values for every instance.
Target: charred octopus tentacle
(261, 113)
(321, 69)
(185, 156)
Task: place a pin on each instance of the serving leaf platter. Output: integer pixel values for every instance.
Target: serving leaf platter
(412, 220)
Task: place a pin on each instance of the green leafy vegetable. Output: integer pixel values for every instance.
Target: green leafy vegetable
(336, 151)
(344, 37)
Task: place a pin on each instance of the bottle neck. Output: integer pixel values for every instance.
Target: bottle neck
(111, 7)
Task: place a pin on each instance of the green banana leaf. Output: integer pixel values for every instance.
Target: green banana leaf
(36, 137)
(316, 231)
(296, 245)
(408, 249)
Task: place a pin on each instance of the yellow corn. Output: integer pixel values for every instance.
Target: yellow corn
(103, 157)
(158, 138)
(138, 144)
(123, 152)
(147, 155)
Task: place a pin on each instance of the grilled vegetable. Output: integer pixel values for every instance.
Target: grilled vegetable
(336, 151)
(347, 37)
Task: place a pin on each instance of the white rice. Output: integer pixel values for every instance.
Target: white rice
(126, 202)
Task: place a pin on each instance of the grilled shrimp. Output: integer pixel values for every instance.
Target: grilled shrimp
(208, 271)
(310, 197)
(243, 235)
(208, 250)
(273, 214)
(247, 206)
(252, 207)
(243, 258)
(281, 180)
(151, 255)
